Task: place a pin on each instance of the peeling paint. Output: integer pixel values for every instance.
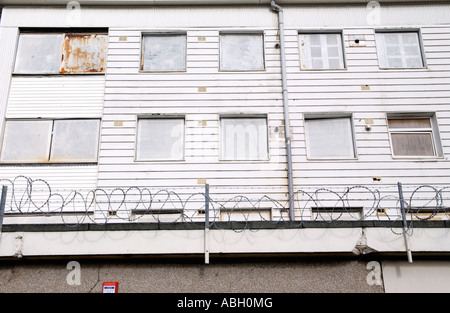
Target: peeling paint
(361, 247)
(84, 53)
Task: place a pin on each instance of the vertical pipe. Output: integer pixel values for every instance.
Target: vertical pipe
(2, 205)
(287, 129)
(206, 242)
(206, 205)
(405, 235)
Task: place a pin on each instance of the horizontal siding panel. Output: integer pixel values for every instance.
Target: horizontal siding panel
(388, 82)
(56, 96)
(223, 105)
(58, 181)
(403, 173)
(306, 168)
(134, 94)
(193, 82)
(130, 93)
(208, 169)
(374, 89)
(371, 167)
(157, 175)
(191, 97)
(222, 76)
(339, 182)
(139, 92)
(371, 74)
(127, 93)
(190, 182)
(191, 70)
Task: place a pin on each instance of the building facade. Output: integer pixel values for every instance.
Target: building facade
(249, 129)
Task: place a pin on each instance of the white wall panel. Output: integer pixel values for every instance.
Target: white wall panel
(8, 37)
(146, 17)
(56, 96)
(47, 97)
(418, 277)
(50, 185)
(203, 92)
(225, 16)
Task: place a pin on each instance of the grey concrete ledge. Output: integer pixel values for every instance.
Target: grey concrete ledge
(251, 225)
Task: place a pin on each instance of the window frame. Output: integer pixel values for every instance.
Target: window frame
(433, 130)
(243, 116)
(323, 32)
(63, 32)
(50, 143)
(327, 116)
(162, 33)
(402, 30)
(342, 213)
(156, 117)
(243, 32)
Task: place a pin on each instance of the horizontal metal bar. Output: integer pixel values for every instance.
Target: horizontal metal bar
(234, 225)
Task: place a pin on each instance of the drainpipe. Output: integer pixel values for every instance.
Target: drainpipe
(287, 130)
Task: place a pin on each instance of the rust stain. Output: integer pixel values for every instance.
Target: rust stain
(84, 53)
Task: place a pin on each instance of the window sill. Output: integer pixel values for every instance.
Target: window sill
(418, 158)
(162, 71)
(323, 69)
(59, 74)
(159, 160)
(331, 159)
(244, 161)
(242, 71)
(402, 68)
(48, 164)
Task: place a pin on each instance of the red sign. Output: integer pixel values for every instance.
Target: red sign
(110, 287)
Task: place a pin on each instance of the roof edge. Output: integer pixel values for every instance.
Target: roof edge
(193, 2)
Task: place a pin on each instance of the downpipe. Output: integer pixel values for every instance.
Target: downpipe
(287, 131)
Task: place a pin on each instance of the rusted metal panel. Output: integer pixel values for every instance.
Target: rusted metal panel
(84, 53)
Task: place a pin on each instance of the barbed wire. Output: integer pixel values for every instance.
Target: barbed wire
(34, 197)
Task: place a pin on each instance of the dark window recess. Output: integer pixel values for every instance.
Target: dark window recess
(337, 209)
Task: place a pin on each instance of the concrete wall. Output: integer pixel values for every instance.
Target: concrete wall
(420, 276)
(289, 275)
(228, 275)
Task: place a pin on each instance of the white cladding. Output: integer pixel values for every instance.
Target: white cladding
(224, 16)
(202, 93)
(56, 97)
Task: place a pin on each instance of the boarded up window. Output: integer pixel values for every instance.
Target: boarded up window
(422, 123)
(84, 53)
(321, 51)
(61, 53)
(412, 137)
(244, 138)
(412, 144)
(160, 138)
(75, 140)
(39, 53)
(329, 138)
(163, 52)
(26, 141)
(241, 52)
(51, 141)
(399, 50)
